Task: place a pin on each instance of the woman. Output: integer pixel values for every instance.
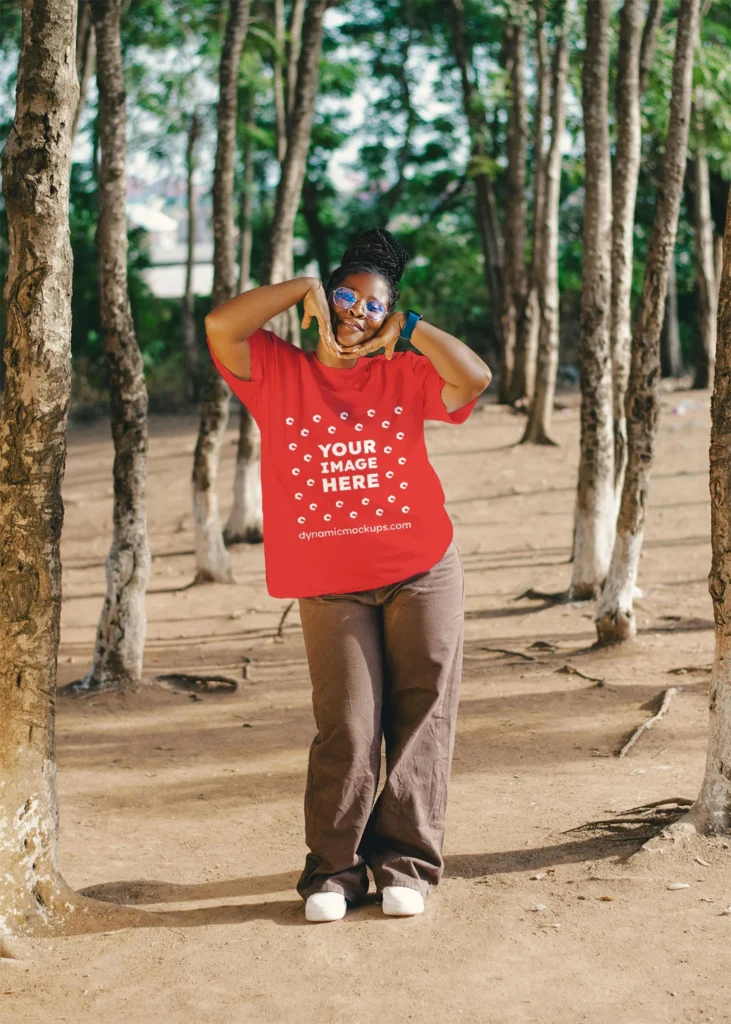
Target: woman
(355, 528)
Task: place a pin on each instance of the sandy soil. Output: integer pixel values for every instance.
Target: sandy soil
(193, 807)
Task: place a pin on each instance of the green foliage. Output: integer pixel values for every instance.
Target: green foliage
(388, 73)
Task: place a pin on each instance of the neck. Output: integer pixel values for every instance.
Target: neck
(323, 355)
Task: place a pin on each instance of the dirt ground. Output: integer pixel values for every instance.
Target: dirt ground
(193, 807)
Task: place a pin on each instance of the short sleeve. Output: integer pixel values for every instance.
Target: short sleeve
(431, 384)
(251, 392)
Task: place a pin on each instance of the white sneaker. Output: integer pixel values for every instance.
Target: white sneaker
(325, 906)
(400, 901)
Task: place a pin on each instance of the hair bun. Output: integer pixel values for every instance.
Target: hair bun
(378, 248)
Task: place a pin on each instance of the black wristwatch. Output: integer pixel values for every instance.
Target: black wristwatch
(410, 323)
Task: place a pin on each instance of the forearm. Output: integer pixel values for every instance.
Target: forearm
(453, 360)
(235, 320)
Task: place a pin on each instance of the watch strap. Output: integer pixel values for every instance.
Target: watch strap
(412, 319)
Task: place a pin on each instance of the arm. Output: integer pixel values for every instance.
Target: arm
(465, 373)
(229, 325)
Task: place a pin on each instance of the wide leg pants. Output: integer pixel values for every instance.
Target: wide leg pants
(384, 663)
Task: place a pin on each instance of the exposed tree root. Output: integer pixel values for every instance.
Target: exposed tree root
(279, 634)
(503, 650)
(569, 670)
(667, 696)
(555, 597)
(199, 683)
(638, 824)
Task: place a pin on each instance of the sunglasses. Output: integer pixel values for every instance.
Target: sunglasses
(346, 297)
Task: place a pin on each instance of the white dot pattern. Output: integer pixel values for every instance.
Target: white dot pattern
(347, 449)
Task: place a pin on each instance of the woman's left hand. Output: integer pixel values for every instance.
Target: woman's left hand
(385, 338)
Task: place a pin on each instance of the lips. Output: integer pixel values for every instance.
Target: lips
(351, 326)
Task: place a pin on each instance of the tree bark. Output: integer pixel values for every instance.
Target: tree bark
(488, 222)
(293, 48)
(245, 523)
(671, 364)
(711, 811)
(212, 562)
(278, 262)
(529, 322)
(595, 507)
(512, 378)
(85, 56)
(615, 619)
(705, 274)
(190, 342)
(35, 173)
(278, 83)
(538, 430)
(317, 231)
(246, 203)
(120, 637)
(624, 195)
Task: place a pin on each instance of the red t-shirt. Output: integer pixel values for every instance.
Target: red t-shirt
(350, 500)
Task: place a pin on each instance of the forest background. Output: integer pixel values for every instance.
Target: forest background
(390, 147)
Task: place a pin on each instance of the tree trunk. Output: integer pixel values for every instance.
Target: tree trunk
(293, 48)
(190, 342)
(624, 195)
(278, 260)
(512, 380)
(85, 56)
(488, 222)
(246, 203)
(35, 173)
(279, 102)
(529, 322)
(120, 637)
(245, 521)
(615, 616)
(705, 274)
(595, 507)
(538, 430)
(711, 812)
(318, 233)
(670, 360)
(212, 562)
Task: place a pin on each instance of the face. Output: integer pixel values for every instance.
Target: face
(352, 326)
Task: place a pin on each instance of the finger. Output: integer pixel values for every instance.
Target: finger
(306, 320)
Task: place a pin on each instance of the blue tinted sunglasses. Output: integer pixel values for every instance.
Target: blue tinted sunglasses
(346, 297)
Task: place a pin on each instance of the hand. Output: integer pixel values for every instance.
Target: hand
(385, 338)
(315, 303)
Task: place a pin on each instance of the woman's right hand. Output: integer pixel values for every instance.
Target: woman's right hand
(315, 304)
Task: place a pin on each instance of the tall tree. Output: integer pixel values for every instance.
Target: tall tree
(36, 163)
(634, 46)
(615, 619)
(516, 210)
(711, 811)
(488, 222)
(538, 428)
(278, 259)
(595, 506)
(524, 375)
(85, 56)
(190, 342)
(120, 637)
(245, 520)
(705, 272)
(670, 361)
(212, 562)
(246, 199)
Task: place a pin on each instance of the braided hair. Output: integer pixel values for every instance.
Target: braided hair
(374, 251)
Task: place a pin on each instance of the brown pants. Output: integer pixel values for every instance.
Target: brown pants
(386, 661)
